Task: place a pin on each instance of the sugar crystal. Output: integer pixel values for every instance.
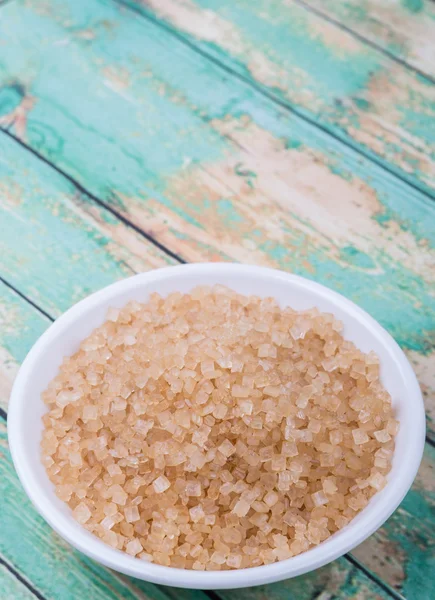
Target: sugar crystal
(213, 431)
(161, 484)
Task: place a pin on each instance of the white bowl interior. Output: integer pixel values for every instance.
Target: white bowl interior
(64, 337)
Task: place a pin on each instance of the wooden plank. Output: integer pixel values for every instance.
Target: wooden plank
(211, 168)
(356, 92)
(20, 326)
(202, 244)
(24, 321)
(57, 245)
(11, 587)
(403, 28)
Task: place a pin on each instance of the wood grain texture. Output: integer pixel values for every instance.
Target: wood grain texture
(20, 326)
(348, 87)
(403, 28)
(57, 245)
(211, 168)
(214, 170)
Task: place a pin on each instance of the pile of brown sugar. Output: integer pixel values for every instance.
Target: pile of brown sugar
(214, 431)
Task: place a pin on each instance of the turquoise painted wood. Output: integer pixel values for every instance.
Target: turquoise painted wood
(211, 168)
(157, 141)
(12, 588)
(58, 245)
(324, 72)
(21, 325)
(403, 28)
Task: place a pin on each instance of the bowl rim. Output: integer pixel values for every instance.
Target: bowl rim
(314, 558)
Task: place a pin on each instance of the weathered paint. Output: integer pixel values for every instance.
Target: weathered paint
(424, 369)
(353, 90)
(347, 244)
(20, 327)
(200, 162)
(212, 169)
(405, 28)
(57, 245)
(20, 324)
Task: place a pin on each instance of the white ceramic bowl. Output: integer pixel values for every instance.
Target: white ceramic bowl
(63, 338)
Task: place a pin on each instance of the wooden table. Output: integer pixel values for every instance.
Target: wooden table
(292, 133)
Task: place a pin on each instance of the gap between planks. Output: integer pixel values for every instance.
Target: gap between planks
(286, 105)
(20, 578)
(213, 595)
(37, 594)
(400, 61)
(387, 588)
(26, 298)
(79, 187)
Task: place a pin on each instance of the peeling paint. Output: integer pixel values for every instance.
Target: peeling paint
(214, 171)
(83, 247)
(392, 25)
(321, 68)
(17, 116)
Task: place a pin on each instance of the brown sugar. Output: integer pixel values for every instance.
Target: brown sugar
(215, 431)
